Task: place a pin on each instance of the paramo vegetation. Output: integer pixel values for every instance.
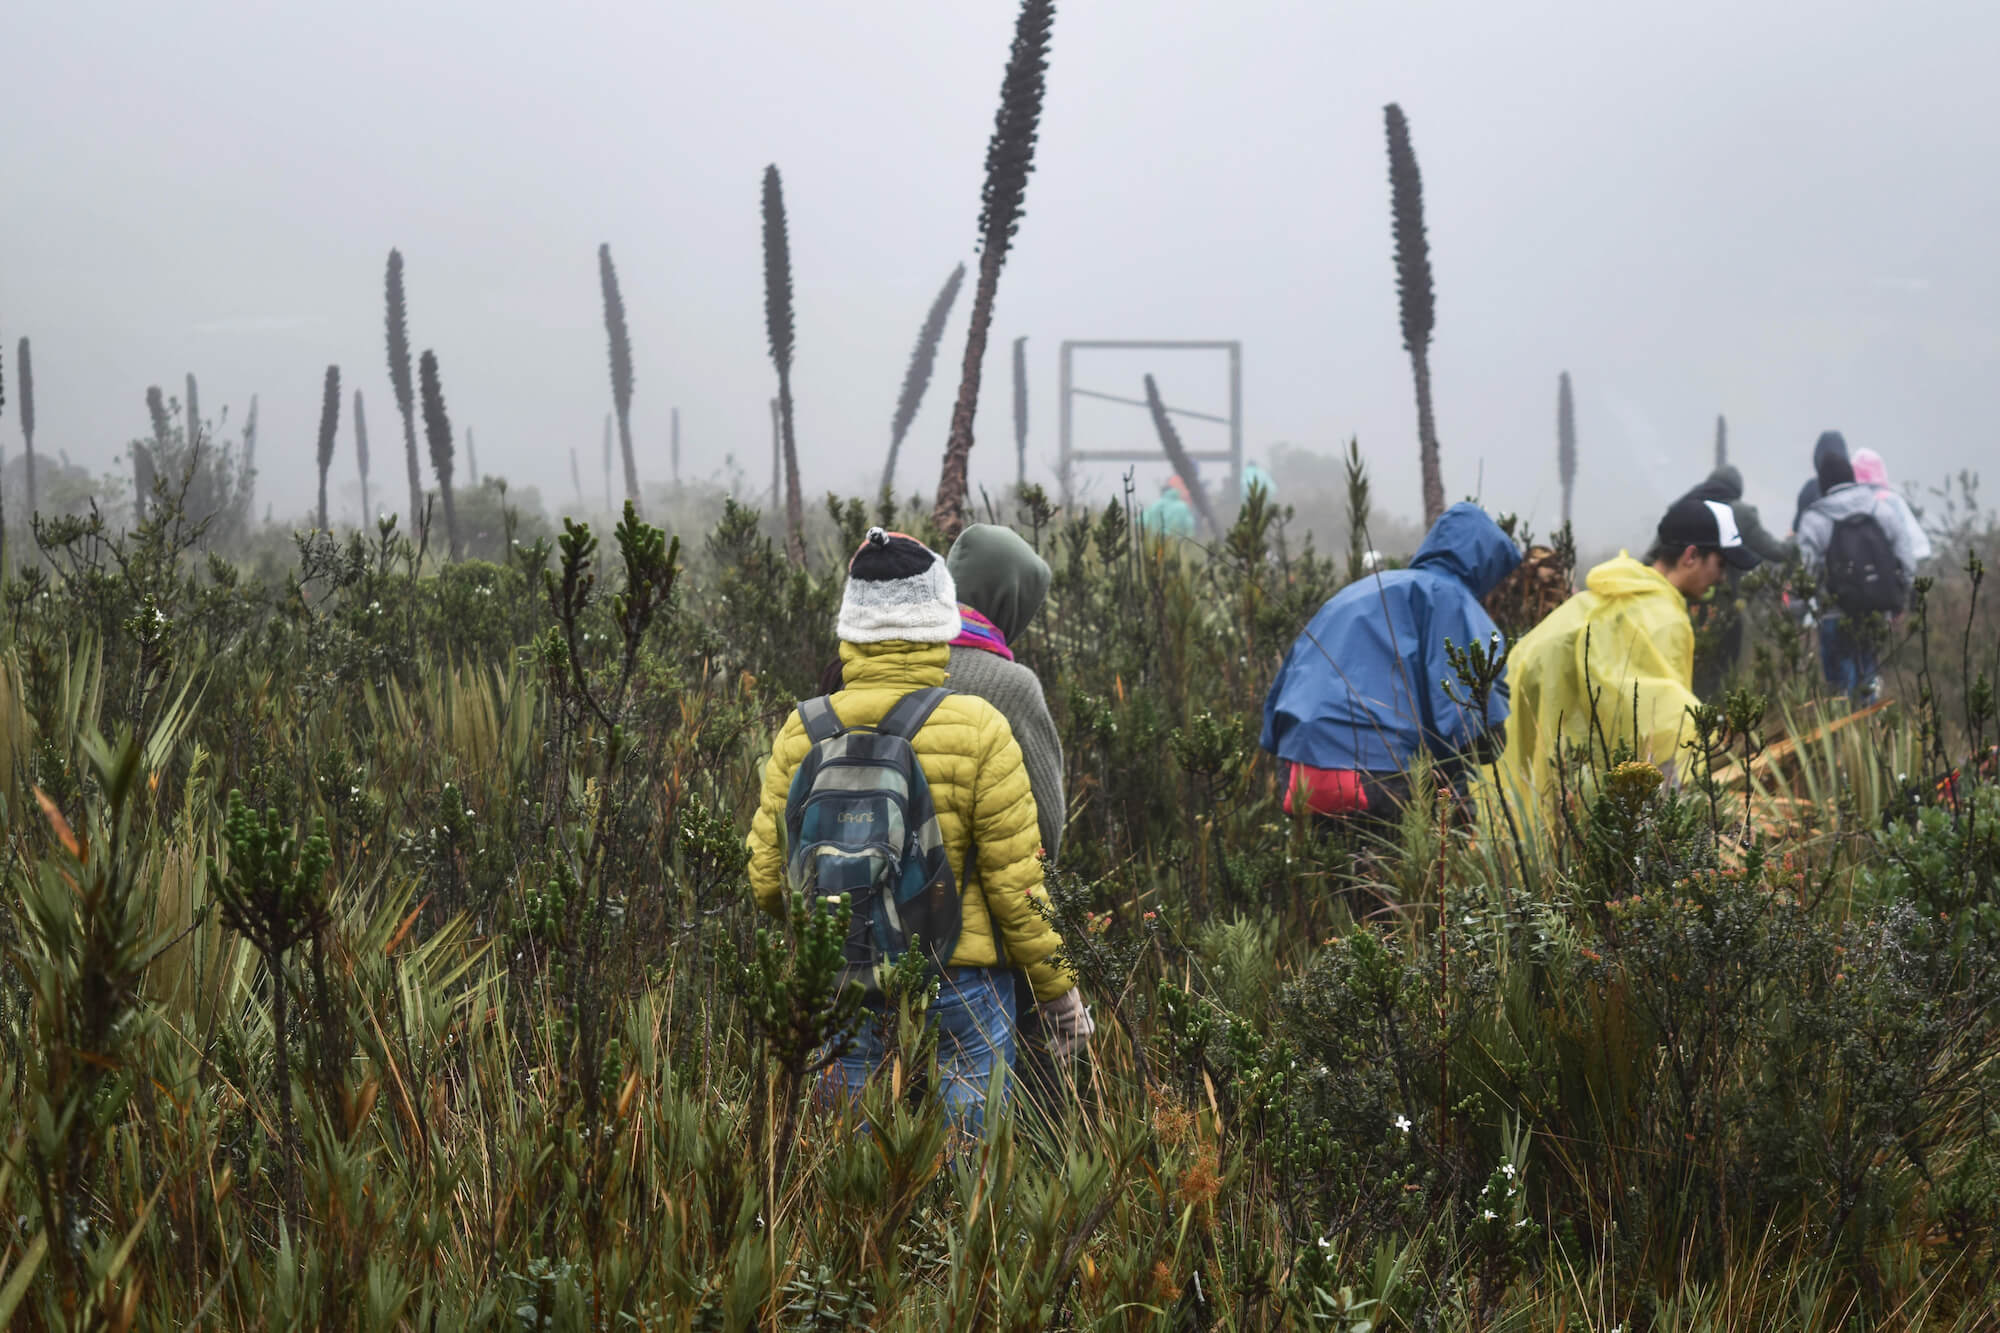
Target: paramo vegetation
(380, 957)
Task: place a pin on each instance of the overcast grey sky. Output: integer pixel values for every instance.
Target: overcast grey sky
(1786, 213)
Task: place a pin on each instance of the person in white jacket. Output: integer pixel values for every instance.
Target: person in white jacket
(1846, 538)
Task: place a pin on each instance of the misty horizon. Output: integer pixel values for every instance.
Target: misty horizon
(1715, 211)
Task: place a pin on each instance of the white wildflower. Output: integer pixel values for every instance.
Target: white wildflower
(1403, 1123)
(1507, 1170)
(1486, 1215)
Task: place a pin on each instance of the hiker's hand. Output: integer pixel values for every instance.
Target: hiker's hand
(1066, 1024)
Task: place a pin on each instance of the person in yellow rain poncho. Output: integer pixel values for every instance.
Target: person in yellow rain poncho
(1614, 665)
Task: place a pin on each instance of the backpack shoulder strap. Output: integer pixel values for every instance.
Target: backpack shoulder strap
(907, 717)
(821, 722)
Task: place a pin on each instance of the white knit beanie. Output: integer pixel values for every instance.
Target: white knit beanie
(897, 588)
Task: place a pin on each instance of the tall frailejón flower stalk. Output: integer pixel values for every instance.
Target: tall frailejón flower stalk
(1020, 413)
(24, 370)
(608, 506)
(156, 408)
(329, 426)
(1565, 441)
(1010, 157)
(399, 379)
(576, 476)
(361, 459)
(1177, 454)
(621, 367)
(777, 457)
(471, 457)
(1413, 287)
(918, 377)
(192, 409)
(248, 480)
(674, 442)
(778, 328)
(145, 462)
(1721, 440)
(437, 433)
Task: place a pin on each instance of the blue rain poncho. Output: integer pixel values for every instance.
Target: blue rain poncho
(1363, 688)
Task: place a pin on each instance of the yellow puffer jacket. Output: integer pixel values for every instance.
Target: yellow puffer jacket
(979, 785)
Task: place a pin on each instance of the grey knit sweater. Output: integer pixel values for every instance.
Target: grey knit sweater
(1014, 690)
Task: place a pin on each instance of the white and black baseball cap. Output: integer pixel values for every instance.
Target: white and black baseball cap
(1709, 524)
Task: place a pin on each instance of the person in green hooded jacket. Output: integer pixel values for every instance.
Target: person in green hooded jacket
(1001, 585)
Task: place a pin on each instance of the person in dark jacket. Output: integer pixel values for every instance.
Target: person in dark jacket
(1364, 689)
(1719, 620)
(1830, 445)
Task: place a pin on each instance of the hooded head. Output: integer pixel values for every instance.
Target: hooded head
(897, 588)
(1469, 546)
(999, 576)
(1724, 484)
(1830, 465)
(1869, 469)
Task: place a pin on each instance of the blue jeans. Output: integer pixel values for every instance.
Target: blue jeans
(1846, 659)
(974, 1018)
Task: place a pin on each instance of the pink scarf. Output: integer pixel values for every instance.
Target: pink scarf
(976, 631)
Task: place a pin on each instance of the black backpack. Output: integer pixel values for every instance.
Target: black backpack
(1862, 573)
(860, 824)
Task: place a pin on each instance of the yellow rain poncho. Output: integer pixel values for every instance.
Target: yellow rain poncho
(1627, 634)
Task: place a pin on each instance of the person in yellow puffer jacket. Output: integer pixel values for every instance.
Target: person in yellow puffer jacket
(898, 616)
(1574, 679)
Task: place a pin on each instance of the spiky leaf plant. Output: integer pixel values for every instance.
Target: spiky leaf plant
(1413, 288)
(192, 412)
(1010, 157)
(1358, 507)
(1177, 454)
(918, 377)
(621, 366)
(1721, 440)
(329, 425)
(1565, 441)
(24, 367)
(778, 328)
(399, 379)
(1020, 412)
(437, 433)
(361, 457)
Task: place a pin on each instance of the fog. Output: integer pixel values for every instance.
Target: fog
(1780, 214)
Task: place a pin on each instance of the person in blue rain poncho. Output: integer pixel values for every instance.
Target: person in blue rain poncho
(1363, 691)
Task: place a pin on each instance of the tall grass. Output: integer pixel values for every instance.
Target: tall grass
(379, 956)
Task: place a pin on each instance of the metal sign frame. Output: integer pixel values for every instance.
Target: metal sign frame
(1233, 456)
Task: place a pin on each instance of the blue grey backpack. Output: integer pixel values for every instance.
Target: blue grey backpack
(860, 823)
